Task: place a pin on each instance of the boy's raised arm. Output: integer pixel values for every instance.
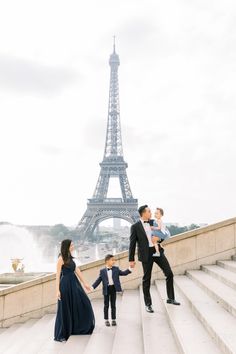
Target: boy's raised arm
(125, 272)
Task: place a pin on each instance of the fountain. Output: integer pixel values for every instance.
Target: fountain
(18, 244)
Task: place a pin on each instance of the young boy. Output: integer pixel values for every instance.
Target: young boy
(109, 276)
(159, 231)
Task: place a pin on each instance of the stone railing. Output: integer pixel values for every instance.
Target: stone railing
(185, 251)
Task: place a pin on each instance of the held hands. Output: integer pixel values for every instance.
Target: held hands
(88, 287)
(132, 264)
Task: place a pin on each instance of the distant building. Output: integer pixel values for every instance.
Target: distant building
(116, 223)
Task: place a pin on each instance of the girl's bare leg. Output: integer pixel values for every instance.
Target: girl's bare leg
(157, 254)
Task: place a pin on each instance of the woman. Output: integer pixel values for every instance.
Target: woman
(74, 311)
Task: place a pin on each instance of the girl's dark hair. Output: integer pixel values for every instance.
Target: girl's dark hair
(65, 251)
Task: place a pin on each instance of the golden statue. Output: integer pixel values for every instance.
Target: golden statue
(17, 265)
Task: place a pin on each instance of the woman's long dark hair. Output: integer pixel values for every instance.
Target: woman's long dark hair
(65, 251)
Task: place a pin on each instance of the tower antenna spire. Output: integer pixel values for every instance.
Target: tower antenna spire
(114, 44)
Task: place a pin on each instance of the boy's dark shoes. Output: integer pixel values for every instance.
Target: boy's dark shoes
(149, 309)
(107, 323)
(113, 323)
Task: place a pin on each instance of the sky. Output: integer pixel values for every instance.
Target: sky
(177, 96)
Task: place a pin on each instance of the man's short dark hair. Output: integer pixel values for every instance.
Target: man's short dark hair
(108, 256)
(161, 211)
(141, 209)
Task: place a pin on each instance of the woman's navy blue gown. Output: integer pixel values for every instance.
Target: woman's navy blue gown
(74, 310)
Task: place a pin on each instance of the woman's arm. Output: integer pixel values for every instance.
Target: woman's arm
(86, 285)
(58, 275)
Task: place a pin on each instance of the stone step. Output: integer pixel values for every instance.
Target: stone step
(75, 344)
(157, 334)
(2, 330)
(52, 347)
(220, 292)
(185, 326)
(225, 276)
(20, 337)
(37, 335)
(102, 339)
(230, 265)
(128, 336)
(219, 323)
(9, 334)
(82, 343)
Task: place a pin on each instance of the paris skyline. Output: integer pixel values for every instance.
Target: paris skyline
(177, 78)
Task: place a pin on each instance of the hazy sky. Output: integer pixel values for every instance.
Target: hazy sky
(178, 108)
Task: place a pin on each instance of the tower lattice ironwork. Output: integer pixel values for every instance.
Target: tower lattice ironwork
(100, 207)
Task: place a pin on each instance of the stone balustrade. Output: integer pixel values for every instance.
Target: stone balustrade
(186, 251)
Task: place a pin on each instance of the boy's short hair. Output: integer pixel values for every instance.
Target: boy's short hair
(142, 208)
(161, 211)
(108, 256)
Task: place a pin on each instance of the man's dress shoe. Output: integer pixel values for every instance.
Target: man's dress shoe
(172, 302)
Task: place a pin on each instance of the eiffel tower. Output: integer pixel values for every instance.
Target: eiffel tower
(100, 207)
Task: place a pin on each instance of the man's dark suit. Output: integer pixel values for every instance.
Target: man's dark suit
(138, 237)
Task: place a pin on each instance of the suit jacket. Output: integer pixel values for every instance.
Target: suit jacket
(103, 277)
(138, 237)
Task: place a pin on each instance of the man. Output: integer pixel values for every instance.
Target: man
(141, 234)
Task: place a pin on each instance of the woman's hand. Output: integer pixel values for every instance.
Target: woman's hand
(59, 265)
(82, 280)
(58, 295)
(87, 287)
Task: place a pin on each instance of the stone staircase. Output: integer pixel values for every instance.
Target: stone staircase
(205, 322)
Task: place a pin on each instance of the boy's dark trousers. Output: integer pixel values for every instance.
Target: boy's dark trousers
(111, 295)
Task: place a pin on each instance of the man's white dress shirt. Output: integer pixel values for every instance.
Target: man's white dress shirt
(148, 231)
